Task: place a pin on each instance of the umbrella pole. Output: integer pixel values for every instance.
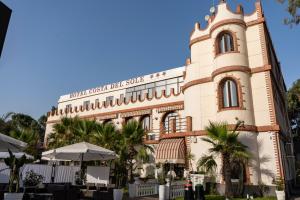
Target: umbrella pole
(81, 170)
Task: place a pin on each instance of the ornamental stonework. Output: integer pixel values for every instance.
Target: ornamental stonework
(111, 116)
(170, 108)
(136, 113)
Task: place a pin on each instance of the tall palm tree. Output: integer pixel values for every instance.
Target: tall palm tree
(84, 129)
(225, 144)
(134, 134)
(64, 133)
(31, 137)
(105, 135)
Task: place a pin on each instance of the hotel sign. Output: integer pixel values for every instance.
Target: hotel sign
(106, 88)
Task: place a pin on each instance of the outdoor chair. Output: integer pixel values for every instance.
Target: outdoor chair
(3, 189)
(103, 195)
(57, 190)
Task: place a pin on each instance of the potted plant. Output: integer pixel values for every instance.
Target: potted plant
(32, 179)
(280, 193)
(162, 184)
(14, 165)
(121, 176)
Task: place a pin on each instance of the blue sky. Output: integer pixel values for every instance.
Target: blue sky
(54, 47)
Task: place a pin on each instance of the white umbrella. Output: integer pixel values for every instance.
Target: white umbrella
(17, 155)
(14, 145)
(82, 151)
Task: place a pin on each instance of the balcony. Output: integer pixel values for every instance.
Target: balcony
(173, 128)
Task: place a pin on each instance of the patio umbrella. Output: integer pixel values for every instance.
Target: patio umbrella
(82, 151)
(17, 155)
(14, 145)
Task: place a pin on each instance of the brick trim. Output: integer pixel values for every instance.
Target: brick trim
(126, 110)
(278, 162)
(225, 22)
(224, 70)
(221, 70)
(250, 128)
(239, 94)
(196, 82)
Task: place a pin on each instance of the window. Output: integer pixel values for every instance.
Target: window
(96, 102)
(129, 119)
(150, 88)
(170, 122)
(86, 104)
(145, 122)
(107, 121)
(225, 43)
(68, 107)
(229, 94)
(109, 100)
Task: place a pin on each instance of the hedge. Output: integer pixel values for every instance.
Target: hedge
(218, 197)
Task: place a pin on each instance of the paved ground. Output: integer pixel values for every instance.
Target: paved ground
(146, 198)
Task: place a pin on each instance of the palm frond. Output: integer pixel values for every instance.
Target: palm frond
(207, 162)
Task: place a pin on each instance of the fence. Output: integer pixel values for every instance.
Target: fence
(148, 189)
(177, 191)
(62, 174)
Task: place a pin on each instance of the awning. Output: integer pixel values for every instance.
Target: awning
(171, 151)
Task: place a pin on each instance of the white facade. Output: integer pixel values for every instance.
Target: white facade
(201, 92)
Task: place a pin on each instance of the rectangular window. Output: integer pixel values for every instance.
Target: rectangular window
(171, 81)
(121, 97)
(160, 83)
(109, 100)
(86, 104)
(150, 85)
(159, 90)
(96, 102)
(151, 92)
(68, 107)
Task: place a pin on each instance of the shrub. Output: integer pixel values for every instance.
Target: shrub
(214, 197)
(32, 178)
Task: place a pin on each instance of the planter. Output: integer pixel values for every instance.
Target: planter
(118, 194)
(131, 190)
(280, 195)
(137, 180)
(13, 196)
(162, 192)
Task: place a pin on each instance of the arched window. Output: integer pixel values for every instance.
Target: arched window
(145, 122)
(229, 94)
(171, 122)
(107, 121)
(225, 43)
(129, 119)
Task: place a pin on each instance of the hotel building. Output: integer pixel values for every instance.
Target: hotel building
(232, 72)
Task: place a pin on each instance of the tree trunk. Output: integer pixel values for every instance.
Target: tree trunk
(227, 174)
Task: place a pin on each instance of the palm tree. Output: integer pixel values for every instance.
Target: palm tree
(190, 157)
(105, 135)
(133, 135)
(31, 137)
(63, 132)
(225, 144)
(84, 129)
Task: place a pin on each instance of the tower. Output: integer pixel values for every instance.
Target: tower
(230, 75)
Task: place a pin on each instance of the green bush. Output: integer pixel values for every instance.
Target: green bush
(218, 197)
(258, 198)
(208, 197)
(214, 197)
